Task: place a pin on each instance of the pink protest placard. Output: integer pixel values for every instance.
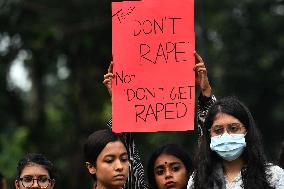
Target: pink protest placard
(153, 44)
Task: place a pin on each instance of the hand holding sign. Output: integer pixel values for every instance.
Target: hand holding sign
(108, 79)
(201, 78)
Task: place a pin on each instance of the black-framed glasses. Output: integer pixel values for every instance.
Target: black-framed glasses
(42, 181)
(231, 128)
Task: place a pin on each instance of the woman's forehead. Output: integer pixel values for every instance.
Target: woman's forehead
(224, 118)
(167, 159)
(34, 169)
(113, 148)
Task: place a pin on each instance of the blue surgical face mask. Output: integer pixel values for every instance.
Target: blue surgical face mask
(228, 146)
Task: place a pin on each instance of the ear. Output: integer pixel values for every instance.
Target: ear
(91, 168)
(17, 184)
(52, 183)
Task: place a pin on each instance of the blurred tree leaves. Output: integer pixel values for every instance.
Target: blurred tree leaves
(13, 144)
(66, 48)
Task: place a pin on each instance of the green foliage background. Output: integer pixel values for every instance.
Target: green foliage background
(67, 49)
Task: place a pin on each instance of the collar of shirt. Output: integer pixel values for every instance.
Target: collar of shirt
(236, 182)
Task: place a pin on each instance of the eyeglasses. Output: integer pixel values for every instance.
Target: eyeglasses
(232, 128)
(42, 181)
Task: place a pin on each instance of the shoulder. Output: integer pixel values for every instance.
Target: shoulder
(190, 181)
(276, 175)
(274, 169)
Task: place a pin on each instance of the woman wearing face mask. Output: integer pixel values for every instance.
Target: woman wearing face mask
(106, 159)
(230, 154)
(35, 171)
(169, 167)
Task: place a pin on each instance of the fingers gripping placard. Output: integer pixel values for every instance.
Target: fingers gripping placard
(153, 46)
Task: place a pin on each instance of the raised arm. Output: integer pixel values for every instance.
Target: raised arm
(206, 99)
(136, 176)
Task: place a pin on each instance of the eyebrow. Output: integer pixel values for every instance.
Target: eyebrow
(171, 164)
(112, 155)
(35, 175)
(228, 124)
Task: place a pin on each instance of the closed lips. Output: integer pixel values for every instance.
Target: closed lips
(120, 176)
(170, 184)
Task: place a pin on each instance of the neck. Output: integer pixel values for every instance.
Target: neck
(232, 168)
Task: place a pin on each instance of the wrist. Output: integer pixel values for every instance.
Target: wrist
(207, 92)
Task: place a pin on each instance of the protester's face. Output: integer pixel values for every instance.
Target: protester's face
(225, 123)
(170, 172)
(34, 176)
(112, 166)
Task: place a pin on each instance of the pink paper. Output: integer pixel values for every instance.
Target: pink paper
(153, 44)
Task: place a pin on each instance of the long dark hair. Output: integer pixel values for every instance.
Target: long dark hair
(1, 181)
(254, 173)
(169, 149)
(281, 156)
(96, 142)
